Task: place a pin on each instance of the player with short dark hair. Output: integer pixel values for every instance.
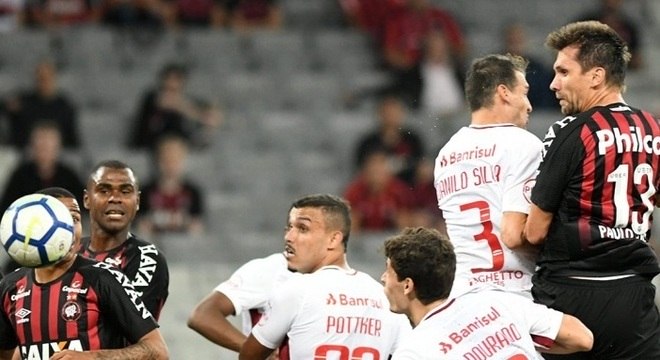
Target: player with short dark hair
(482, 323)
(75, 306)
(483, 176)
(594, 198)
(332, 310)
(112, 197)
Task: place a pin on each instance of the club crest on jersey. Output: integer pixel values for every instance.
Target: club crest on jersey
(71, 311)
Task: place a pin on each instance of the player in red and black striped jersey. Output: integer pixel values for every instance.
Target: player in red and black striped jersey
(594, 197)
(112, 198)
(77, 305)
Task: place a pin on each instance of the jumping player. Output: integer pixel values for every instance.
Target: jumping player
(333, 310)
(594, 197)
(483, 176)
(482, 323)
(112, 197)
(75, 307)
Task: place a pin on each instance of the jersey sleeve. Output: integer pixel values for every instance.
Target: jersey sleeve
(151, 277)
(523, 166)
(119, 299)
(247, 287)
(281, 310)
(556, 169)
(543, 322)
(8, 339)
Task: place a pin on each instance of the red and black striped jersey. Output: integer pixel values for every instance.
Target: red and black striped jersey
(92, 306)
(141, 262)
(599, 176)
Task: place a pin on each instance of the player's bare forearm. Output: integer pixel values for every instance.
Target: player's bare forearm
(253, 350)
(538, 223)
(209, 319)
(573, 336)
(150, 347)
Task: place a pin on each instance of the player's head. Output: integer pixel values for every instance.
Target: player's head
(112, 197)
(420, 265)
(317, 232)
(68, 199)
(499, 80)
(591, 57)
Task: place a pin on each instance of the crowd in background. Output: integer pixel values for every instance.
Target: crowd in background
(422, 46)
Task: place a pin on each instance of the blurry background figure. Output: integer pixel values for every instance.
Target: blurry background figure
(167, 109)
(370, 16)
(424, 209)
(42, 167)
(12, 15)
(539, 74)
(196, 13)
(253, 14)
(45, 102)
(126, 13)
(442, 92)
(169, 202)
(611, 12)
(405, 34)
(379, 200)
(63, 13)
(403, 146)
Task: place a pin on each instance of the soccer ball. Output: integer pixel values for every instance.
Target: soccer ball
(37, 230)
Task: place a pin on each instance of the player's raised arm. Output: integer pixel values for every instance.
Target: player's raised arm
(209, 318)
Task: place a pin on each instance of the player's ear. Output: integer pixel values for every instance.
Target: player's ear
(597, 76)
(408, 286)
(137, 204)
(336, 239)
(502, 92)
(85, 199)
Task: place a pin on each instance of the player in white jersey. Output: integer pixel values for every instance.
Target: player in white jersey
(483, 177)
(246, 293)
(484, 323)
(332, 312)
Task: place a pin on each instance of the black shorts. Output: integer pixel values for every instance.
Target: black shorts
(621, 314)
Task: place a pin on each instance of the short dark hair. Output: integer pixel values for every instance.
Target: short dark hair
(111, 164)
(487, 73)
(57, 192)
(337, 211)
(598, 44)
(425, 256)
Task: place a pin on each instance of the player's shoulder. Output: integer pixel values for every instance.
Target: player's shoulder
(17, 274)
(144, 248)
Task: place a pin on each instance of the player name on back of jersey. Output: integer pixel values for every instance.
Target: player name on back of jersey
(349, 324)
(633, 142)
(478, 175)
(496, 336)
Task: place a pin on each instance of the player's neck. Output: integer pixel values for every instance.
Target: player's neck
(101, 240)
(419, 311)
(49, 273)
(485, 116)
(606, 96)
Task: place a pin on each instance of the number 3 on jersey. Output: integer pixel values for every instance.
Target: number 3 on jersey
(342, 352)
(487, 235)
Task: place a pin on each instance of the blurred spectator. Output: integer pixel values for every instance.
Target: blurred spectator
(403, 146)
(370, 15)
(424, 209)
(143, 13)
(406, 33)
(442, 92)
(168, 110)
(253, 14)
(12, 15)
(539, 75)
(611, 12)
(197, 13)
(170, 203)
(42, 168)
(60, 13)
(44, 102)
(379, 200)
